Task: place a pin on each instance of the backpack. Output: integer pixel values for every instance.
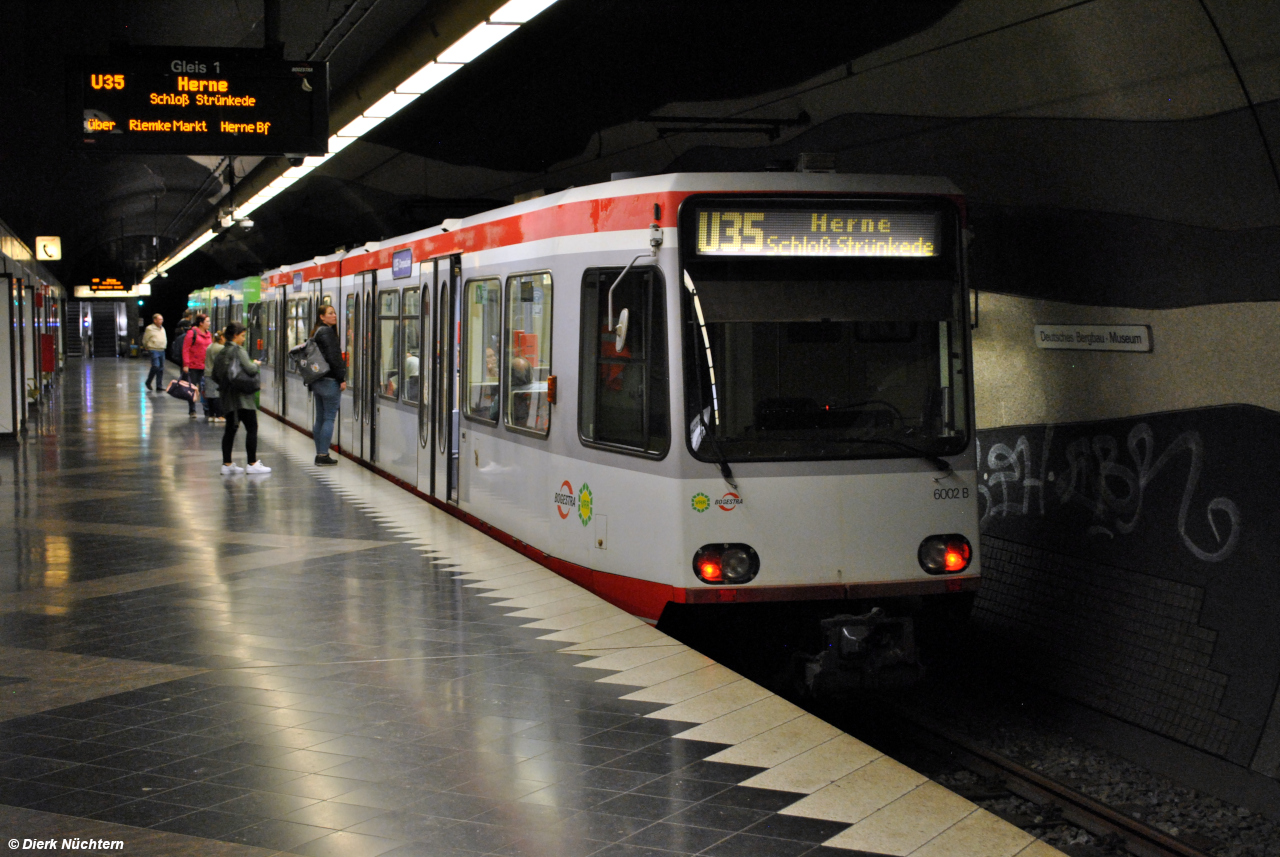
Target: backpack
(310, 362)
(175, 347)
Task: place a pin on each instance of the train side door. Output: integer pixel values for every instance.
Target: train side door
(427, 336)
(277, 341)
(445, 425)
(363, 363)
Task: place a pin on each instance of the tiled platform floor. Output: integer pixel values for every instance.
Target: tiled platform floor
(317, 663)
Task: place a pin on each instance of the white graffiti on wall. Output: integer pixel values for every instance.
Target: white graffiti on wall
(1112, 491)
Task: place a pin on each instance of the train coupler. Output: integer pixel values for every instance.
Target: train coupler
(866, 651)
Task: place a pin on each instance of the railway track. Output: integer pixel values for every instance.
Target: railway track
(1118, 833)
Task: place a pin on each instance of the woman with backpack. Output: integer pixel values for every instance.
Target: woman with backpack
(235, 374)
(328, 388)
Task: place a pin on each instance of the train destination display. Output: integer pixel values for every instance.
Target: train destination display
(816, 232)
(192, 102)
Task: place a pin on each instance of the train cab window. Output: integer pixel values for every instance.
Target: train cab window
(528, 359)
(623, 385)
(389, 344)
(482, 342)
(411, 348)
(800, 357)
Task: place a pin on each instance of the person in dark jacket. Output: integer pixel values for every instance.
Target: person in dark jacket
(240, 407)
(328, 388)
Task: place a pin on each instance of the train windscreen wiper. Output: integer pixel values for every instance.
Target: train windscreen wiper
(937, 461)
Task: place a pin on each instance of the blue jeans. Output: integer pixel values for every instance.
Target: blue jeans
(328, 396)
(157, 369)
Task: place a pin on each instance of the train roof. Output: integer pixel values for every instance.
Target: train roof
(665, 188)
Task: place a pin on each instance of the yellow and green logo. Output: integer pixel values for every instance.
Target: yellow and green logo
(584, 503)
(701, 502)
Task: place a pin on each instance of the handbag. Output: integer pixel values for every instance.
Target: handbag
(310, 362)
(230, 375)
(240, 381)
(184, 390)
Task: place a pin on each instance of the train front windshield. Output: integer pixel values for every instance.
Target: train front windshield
(839, 332)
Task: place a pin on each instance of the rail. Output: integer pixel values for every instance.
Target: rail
(1112, 827)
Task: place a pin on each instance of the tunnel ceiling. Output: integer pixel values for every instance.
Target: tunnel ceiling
(1144, 110)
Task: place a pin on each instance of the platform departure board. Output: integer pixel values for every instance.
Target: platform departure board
(198, 102)
(724, 231)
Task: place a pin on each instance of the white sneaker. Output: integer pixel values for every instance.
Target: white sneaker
(231, 469)
(257, 467)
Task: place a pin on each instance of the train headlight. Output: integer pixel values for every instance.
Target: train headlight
(946, 554)
(726, 563)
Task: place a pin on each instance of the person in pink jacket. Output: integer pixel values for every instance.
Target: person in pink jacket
(193, 349)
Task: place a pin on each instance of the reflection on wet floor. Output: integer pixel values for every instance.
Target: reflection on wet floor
(258, 662)
(314, 662)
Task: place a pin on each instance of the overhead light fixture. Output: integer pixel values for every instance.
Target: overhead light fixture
(519, 11)
(428, 76)
(359, 126)
(390, 104)
(476, 42)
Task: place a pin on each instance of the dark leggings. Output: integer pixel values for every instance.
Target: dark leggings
(250, 420)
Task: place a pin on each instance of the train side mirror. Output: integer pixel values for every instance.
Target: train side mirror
(621, 329)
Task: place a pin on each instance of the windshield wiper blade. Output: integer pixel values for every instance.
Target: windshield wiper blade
(937, 461)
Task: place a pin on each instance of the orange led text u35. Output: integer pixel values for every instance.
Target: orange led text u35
(106, 81)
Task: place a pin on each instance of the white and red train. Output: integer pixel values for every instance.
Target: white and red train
(698, 388)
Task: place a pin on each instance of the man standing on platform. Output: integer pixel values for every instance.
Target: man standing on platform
(155, 341)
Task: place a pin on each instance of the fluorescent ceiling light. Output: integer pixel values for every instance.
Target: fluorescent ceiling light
(337, 144)
(297, 172)
(427, 76)
(282, 182)
(476, 42)
(519, 11)
(390, 104)
(314, 160)
(359, 126)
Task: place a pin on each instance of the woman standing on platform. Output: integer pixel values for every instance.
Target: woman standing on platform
(211, 393)
(193, 353)
(239, 407)
(328, 388)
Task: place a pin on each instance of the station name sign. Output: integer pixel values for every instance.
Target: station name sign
(198, 102)
(1094, 337)
(726, 231)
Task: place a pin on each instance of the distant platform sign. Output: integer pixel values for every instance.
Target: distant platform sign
(198, 102)
(1094, 337)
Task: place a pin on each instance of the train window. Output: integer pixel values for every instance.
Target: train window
(299, 313)
(528, 362)
(482, 343)
(257, 338)
(411, 350)
(389, 344)
(623, 391)
(270, 308)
